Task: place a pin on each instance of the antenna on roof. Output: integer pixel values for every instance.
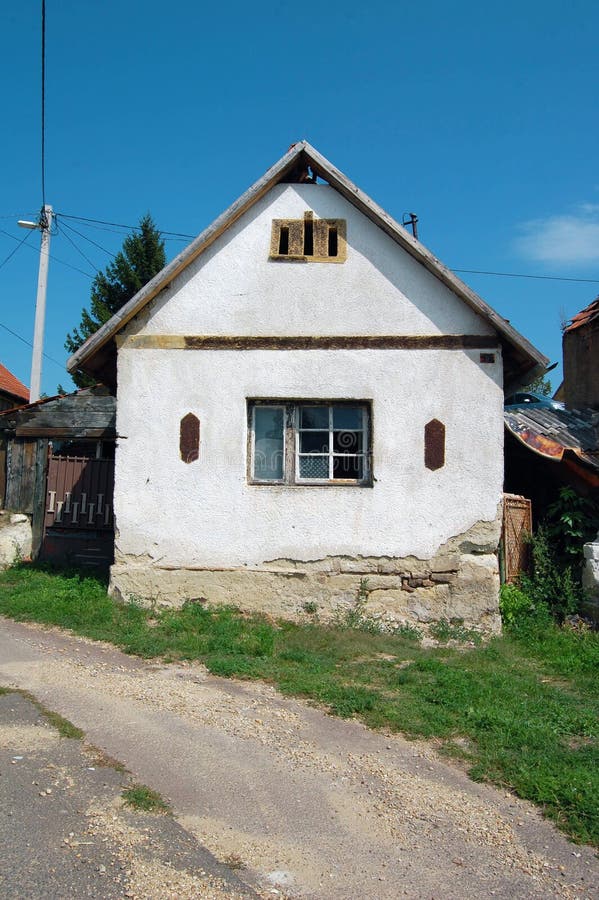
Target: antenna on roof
(411, 219)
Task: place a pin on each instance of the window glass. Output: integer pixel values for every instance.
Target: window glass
(322, 442)
(347, 417)
(314, 417)
(314, 442)
(269, 443)
(347, 441)
(348, 467)
(314, 467)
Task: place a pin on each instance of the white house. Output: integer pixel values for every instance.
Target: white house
(309, 402)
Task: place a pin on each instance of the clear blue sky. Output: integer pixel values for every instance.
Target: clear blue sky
(481, 118)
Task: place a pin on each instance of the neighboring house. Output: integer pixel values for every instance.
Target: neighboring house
(12, 391)
(310, 404)
(551, 443)
(547, 449)
(581, 359)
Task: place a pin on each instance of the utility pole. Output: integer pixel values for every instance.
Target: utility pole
(45, 226)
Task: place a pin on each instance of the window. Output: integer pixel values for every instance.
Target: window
(309, 442)
(309, 239)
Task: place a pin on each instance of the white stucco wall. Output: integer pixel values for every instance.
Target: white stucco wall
(233, 288)
(205, 514)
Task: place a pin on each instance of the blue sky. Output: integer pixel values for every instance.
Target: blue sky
(480, 118)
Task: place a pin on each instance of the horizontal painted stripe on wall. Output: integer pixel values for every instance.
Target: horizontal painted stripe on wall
(313, 342)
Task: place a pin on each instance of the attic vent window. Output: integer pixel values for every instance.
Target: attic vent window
(309, 239)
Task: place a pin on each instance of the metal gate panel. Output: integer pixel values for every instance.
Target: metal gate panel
(517, 526)
(78, 520)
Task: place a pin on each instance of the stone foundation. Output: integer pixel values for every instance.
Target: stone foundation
(460, 581)
(15, 538)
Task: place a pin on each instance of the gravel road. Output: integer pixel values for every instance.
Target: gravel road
(310, 805)
(65, 831)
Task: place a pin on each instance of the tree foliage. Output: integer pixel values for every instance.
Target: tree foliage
(540, 385)
(141, 257)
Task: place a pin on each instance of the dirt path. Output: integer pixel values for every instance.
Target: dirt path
(314, 806)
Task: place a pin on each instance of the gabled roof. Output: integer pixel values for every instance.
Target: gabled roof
(97, 355)
(12, 386)
(584, 317)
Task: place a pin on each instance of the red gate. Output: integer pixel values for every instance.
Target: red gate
(78, 520)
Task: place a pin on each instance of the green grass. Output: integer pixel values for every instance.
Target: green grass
(138, 796)
(520, 711)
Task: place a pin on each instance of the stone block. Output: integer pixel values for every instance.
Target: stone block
(15, 539)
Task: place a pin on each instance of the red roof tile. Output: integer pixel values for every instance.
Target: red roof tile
(588, 314)
(12, 386)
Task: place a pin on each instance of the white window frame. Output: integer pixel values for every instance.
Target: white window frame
(291, 442)
(254, 407)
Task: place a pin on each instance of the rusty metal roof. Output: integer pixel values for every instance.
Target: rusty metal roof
(12, 386)
(557, 433)
(588, 314)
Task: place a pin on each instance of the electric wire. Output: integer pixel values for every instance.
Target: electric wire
(29, 344)
(43, 153)
(120, 225)
(15, 249)
(80, 251)
(521, 275)
(53, 258)
(86, 238)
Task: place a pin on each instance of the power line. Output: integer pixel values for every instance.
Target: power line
(29, 344)
(78, 249)
(43, 154)
(53, 258)
(520, 275)
(86, 238)
(128, 227)
(14, 250)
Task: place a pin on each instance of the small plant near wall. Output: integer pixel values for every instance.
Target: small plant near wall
(553, 584)
(571, 521)
(515, 605)
(557, 559)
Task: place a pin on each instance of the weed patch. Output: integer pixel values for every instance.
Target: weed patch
(138, 796)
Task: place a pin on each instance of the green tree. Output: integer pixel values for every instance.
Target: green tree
(540, 385)
(141, 257)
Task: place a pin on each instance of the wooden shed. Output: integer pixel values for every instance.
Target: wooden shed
(57, 466)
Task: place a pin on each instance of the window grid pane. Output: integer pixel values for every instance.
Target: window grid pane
(330, 442)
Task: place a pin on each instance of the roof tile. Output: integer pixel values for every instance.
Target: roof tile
(12, 386)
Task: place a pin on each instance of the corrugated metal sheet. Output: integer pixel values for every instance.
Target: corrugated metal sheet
(553, 433)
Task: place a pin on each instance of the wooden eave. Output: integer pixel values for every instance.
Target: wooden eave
(97, 356)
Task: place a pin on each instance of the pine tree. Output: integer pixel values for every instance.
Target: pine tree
(142, 256)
